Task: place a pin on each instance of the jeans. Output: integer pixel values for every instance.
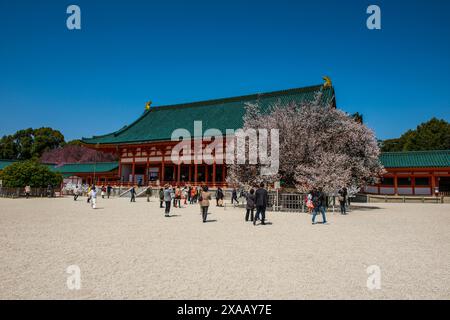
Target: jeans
(204, 213)
(342, 204)
(167, 207)
(261, 213)
(249, 213)
(161, 203)
(316, 212)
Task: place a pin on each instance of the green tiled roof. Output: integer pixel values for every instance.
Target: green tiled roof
(5, 163)
(416, 159)
(158, 123)
(86, 167)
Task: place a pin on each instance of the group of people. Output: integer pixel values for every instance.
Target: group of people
(257, 200)
(169, 194)
(316, 203)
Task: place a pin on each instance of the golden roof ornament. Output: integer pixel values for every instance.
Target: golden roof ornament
(327, 83)
(147, 105)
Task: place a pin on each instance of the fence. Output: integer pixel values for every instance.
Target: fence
(35, 192)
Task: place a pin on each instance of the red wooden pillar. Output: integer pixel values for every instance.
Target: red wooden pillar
(190, 173)
(214, 173)
(134, 167)
(224, 172)
(162, 166)
(120, 170)
(195, 173)
(147, 166)
(395, 185)
(178, 173)
(206, 174)
(433, 184)
(413, 185)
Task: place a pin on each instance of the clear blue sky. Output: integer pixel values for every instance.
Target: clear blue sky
(97, 79)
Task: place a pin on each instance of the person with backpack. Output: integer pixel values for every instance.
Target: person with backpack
(319, 202)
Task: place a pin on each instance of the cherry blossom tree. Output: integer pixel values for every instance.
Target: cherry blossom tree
(320, 146)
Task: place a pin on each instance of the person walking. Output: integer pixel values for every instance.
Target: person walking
(234, 196)
(103, 192)
(177, 200)
(184, 194)
(89, 194)
(76, 192)
(93, 196)
(27, 191)
(250, 205)
(204, 198)
(309, 203)
(108, 191)
(342, 199)
(167, 199)
(261, 200)
(319, 203)
(191, 201)
(161, 197)
(148, 192)
(219, 197)
(133, 194)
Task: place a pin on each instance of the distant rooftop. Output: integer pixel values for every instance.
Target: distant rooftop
(416, 159)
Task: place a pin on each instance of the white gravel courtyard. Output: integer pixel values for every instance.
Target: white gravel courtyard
(130, 250)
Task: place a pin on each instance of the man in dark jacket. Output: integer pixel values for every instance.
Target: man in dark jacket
(319, 201)
(261, 200)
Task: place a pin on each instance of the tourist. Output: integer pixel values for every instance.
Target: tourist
(193, 191)
(234, 196)
(342, 199)
(93, 196)
(167, 198)
(189, 190)
(108, 191)
(161, 197)
(250, 205)
(148, 192)
(261, 200)
(27, 191)
(184, 194)
(103, 192)
(49, 191)
(204, 198)
(76, 192)
(133, 194)
(309, 203)
(177, 199)
(319, 203)
(219, 197)
(89, 194)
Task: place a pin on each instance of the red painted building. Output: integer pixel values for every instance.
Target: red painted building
(145, 146)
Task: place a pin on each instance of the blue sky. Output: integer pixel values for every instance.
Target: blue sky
(97, 79)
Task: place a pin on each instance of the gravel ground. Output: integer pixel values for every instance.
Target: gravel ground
(131, 251)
